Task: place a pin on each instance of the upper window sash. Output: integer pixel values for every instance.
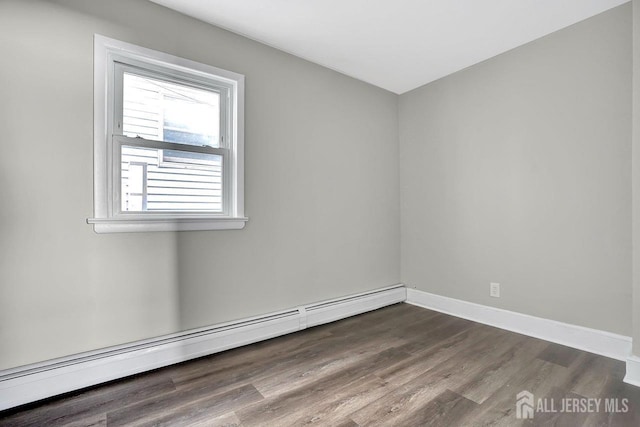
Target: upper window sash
(123, 65)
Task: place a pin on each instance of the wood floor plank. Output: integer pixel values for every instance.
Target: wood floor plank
(289, 406)
(582, 365)
(92, 421)
(422, 389)
(425, 327)
(559, 354)
(597, 372)
(296, 375)
(421, 336)
(343, 402)
(500, 370)
(183, 406)
(327, 409)
(437, 355)
(445, 410)
(538, 377)
(227, 420)
(347, 423)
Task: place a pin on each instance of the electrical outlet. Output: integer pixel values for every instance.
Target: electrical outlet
(494, 290)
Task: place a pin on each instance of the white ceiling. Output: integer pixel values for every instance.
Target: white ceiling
(394, 44)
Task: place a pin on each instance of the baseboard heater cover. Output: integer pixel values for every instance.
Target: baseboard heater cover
(38, 381)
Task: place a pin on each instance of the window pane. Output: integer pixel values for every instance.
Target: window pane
(166, 111)
(170, 180)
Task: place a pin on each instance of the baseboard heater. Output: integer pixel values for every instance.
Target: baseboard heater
(38, 381)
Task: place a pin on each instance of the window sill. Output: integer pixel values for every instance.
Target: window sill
(136, 225)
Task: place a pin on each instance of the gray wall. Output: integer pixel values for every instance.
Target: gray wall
(321, 189)
(518, 171)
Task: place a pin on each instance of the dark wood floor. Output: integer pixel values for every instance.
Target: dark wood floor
(397, 366)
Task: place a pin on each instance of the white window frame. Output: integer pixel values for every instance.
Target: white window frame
(108, 216)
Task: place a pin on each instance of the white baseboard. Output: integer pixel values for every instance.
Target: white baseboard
(38, 381)
(633, 371)
(587, 339)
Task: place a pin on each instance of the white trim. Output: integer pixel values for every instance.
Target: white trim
(106, 52)
(30, 383)
(632, 375)
(587, 339)
(126, 225)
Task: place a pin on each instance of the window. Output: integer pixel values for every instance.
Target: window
(168, 143)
